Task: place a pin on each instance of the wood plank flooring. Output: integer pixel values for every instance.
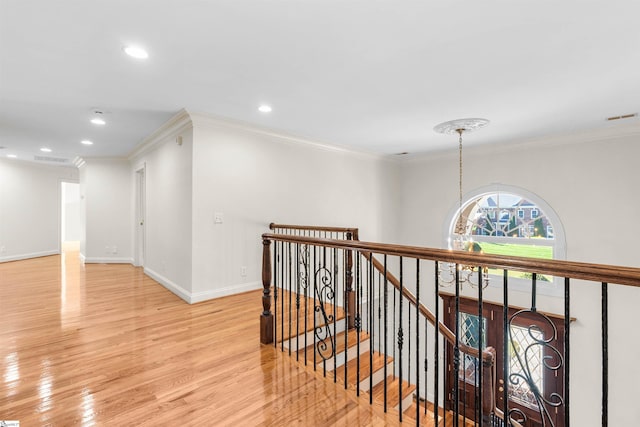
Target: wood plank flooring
(100, 345)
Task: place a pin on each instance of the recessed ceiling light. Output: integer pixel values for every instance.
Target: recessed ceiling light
(136, 52)
(86, 142)
(98, 121)
(12, 156)
(264, 108)
(45, 150)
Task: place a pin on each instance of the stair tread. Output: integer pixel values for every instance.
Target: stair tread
(297, 316)
(365, 367)
(425, 420)
(393, 386)
(352, 340)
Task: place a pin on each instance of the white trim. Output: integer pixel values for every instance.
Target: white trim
(211, 121)
(107, 260)
(223, 292)
(607, 133)
(83, 258)
(29, 256)
(171, 286)
(176, 124)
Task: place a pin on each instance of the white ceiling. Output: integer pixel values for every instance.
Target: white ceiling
(367, 74)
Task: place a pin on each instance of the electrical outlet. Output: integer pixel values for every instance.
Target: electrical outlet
(107, 249)
(114, 250)
(243, 271)
(218, 217)
(2, 249)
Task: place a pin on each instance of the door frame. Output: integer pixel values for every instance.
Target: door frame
(140, 219)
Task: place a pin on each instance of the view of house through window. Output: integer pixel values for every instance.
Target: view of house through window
(502, 223)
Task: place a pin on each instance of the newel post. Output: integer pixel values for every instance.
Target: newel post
(351, 295)
(266, 318)
(488, 382)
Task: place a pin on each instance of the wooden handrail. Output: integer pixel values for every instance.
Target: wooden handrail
(353, 231)
(629, 276)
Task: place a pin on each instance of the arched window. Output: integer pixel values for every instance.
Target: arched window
(503, 220)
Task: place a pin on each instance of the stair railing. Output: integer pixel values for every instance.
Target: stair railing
(319, 272)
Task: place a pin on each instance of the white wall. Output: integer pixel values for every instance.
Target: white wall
(106, 208)
(168, 170)
(255, 177)
(591, 181)
(30, 208)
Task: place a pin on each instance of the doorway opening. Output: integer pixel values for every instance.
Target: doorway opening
(70, 224)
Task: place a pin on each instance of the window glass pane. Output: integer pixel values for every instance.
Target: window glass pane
(468, 335)
(521, 345)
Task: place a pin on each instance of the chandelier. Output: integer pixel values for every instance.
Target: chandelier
(461, 241)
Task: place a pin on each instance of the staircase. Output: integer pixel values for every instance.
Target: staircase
(352, 362)
(354, 312)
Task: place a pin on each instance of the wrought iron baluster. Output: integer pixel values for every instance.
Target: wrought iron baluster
(275, 293)
(605, 355)
(357, 323)
(336, 287)
(400, 340)
(567, 326)
(456, 353)
(298, 302)
(418, 347)
(436, 350)
(282, 297)
(290, 296)
(385, 331)
(372, 326)
(480, 364)
(505, 348)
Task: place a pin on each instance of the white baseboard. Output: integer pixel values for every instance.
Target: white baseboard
(173, 287)
(107, 260)
(223, 292)
(28, 256)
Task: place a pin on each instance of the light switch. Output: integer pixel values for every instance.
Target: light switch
(218, 218)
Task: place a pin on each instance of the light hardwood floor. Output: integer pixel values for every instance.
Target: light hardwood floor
(105, 345)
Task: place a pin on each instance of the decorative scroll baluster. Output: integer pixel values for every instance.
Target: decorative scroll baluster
(266, 318)
(552, 360)
(324, 294)
(350, 295)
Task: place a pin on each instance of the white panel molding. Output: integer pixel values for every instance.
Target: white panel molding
(171, 286)
(29, 256)
(107, 260)
(176, 124)
(226, 291)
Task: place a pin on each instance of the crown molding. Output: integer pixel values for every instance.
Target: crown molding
(176, 124)
(216, 122)
(598, 135)
(79, 162)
